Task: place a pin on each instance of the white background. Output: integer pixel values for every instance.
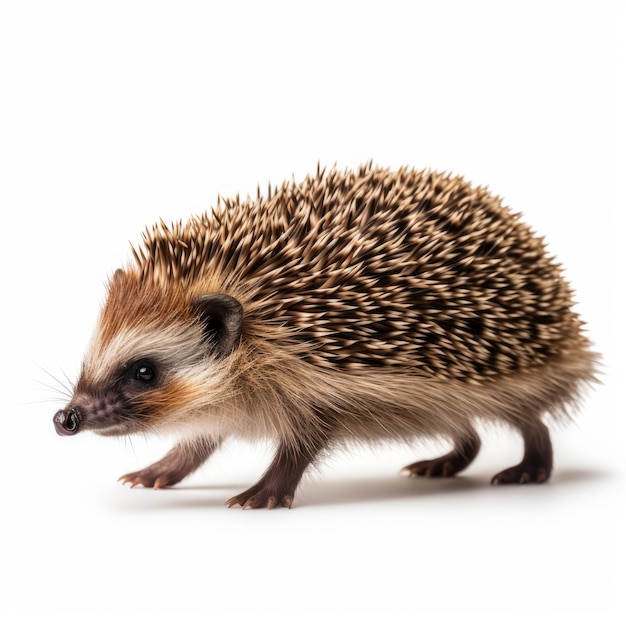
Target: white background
(114, 114)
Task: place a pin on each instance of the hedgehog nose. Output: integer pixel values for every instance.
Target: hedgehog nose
(67, 421)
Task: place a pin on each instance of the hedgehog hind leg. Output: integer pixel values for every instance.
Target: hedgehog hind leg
(183, 459)
(536, 465)
(465, 450)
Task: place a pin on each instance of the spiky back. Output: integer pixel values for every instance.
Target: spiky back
(379, 268)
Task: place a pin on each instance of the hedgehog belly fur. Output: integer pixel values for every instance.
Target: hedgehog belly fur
(371, 405)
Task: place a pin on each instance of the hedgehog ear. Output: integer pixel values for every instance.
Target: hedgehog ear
(222, 316)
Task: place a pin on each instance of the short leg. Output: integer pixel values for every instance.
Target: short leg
(278, 485)
(465, 450)
(536, 465)
(183, 459)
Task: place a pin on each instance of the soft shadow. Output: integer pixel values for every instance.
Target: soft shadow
(231, 487)
(320, 491)
(177, 497)
(580, 475)
(359, 490)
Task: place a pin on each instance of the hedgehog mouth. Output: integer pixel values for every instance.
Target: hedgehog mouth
(116, 425)
(113, 430)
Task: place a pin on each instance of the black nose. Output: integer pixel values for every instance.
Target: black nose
(66, 422)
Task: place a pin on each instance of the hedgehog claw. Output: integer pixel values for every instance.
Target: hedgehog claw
(522, 474)
(145, 478)
(260, 498)
(130, 479)
(443, 467)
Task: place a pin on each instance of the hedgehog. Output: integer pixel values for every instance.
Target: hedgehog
(365, 305)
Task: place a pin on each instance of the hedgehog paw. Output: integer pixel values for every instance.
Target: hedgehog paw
(443, 466)
(522, 474)
(154, 476)
(261, 498)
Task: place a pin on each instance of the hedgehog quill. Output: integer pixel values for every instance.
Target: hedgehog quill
(357, 306)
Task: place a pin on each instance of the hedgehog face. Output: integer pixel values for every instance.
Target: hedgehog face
(114, 405)
(153, 377)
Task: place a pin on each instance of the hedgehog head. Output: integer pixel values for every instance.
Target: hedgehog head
(159, 352)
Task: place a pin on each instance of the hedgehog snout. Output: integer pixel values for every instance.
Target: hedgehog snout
(67, 421)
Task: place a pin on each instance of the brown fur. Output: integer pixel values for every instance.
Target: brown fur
(377, 305)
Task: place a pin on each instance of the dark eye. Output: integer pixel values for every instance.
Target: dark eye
(144, 371)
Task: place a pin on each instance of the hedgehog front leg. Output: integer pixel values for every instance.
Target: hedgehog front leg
(536, 466)
(278, 485)
(465, 450)
(183, 459)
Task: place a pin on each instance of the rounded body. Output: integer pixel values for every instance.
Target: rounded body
(361, 305)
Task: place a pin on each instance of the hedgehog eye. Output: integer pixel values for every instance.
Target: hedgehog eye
(144, 371)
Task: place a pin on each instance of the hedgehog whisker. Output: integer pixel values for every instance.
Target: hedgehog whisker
(48, 400)
(67, 387)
